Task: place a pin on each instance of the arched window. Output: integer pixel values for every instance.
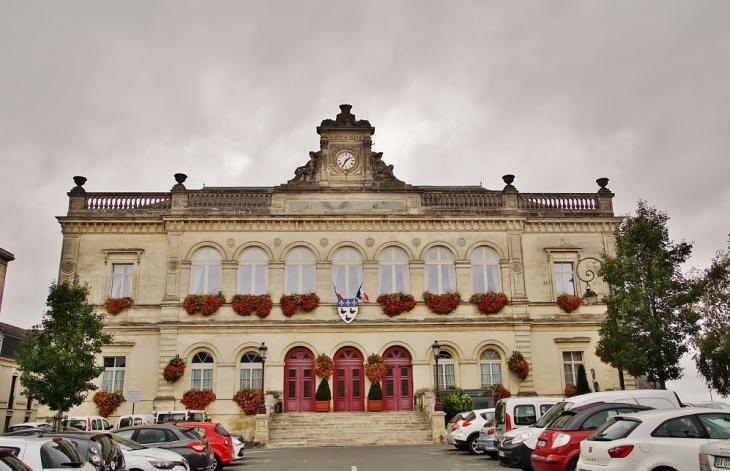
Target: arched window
(206, 272)
(347, 272)
(490, 364)
(393, 271)
(485, 271)
(201, 371)
(300, 271)
(253, 272)
(446, 372)
(440, 276)
(250, 371)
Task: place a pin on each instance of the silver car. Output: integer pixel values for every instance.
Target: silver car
(715, 456)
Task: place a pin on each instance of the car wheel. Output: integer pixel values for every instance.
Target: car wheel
(473, 445)
(218, 463)
(572, 465)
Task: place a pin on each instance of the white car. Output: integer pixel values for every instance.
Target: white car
(464, 434)
(653, 439)
(239, 447)
(46, 453)
(26, 425)
(149, 459)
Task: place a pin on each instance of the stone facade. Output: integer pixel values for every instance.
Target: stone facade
(344, 214)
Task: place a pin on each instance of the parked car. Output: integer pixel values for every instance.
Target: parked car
(465, 436)
(239, 446)
(46, 453)
(558, 446)
(714, 456)
(220, 441)
(135, 419)
(653, 439)
(181, 416)
(183, 440)
(516, 412)
(98, 448)
(515, 447)
(713, 405)
(487, 438)
(138, 457)
(87, 423)
(25, 425)
(8, 462)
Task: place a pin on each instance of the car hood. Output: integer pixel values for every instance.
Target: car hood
(155, 453)
(516, 431)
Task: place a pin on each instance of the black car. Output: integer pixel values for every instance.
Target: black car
(99, 449)
(181, 439)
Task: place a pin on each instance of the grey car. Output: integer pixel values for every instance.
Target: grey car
(183, 440)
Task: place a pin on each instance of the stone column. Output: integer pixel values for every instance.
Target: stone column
(165, 398)
(463, 278)
(229, 278)
(519, 294)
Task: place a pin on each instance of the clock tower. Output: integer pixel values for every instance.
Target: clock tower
(345, 158)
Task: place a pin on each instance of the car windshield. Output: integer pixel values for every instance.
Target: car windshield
(8, 462)
(126, 444)
(562, 419)
(553, 413)
(220, 430)
(614, 428)
(60, 453)
(79, 424)
(470, 416)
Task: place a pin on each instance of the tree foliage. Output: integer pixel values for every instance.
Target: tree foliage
(650, 313)
(56, 359)
(454, 402)
(713, 341)
(581, 384)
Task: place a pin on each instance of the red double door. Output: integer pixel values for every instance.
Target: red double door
(398, 383)
(348, 381)
(299, 380)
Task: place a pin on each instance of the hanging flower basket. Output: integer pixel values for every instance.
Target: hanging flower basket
(197, 399)
(569, 302)
(324, 366)
(107, 402)
(291, 303)
(442, 303)
(375, 368)
(247, 304)
(116, 305)
(500, 392)
(395, 304)
(249, 400)
(174, 370)
(205, 304)
(519, 365)
(570, 391)
(490, 302)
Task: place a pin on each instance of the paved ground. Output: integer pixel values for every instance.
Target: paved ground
(373, 458)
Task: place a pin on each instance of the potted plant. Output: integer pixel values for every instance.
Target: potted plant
(323, 367)
(375, 372)
(248, 400)
(174, 370)
(205, 304)
(291, 303)
(519, 365)
(490, 302)
(247, 304)
(107, 402)
(569, 302)
(395, 304)
(500, 392)
(441, 303)
(197, 399)
(570, 391)
(116, 305)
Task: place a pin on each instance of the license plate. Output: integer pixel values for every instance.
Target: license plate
(501, 453)
(721, 462)
(541, 443)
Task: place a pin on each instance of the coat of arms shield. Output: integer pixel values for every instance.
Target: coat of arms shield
(347, 309)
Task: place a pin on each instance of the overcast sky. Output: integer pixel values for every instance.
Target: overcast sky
(460, 93)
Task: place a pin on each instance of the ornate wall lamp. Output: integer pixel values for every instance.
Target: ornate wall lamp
(589, 297)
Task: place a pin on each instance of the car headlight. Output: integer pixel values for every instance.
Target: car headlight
(524, 436)
(159, 463)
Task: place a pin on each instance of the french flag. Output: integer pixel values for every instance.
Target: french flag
(339, 296)
(362, 294)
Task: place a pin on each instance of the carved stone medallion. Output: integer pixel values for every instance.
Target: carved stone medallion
(230, 242)
(416, 242)
(516, 265)
(370, 241)
(323, 242)
(173, 264)
(461, 242)
(68, 267)
(277, 242)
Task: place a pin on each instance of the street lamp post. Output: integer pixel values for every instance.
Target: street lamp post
(262, 353)
(436, 352)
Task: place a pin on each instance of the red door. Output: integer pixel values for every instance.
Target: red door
(348, 381)
(299, 378)
(398, 387)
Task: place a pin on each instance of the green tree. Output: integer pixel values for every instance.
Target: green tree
(581, 384)
(56, 359)
(323, 391)
(650, 313)
(713, 342)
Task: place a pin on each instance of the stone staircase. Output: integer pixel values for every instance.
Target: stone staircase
(349, 429)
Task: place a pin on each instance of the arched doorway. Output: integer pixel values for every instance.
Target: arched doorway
(348, 381)
(398, 383)
(299, 371)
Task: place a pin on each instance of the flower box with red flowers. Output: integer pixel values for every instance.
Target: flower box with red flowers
(395, 304)
(205, 304)
(116, 305)
(500, 392)
(519, 365)
(249, 400)
(569, 302)
(197, 399)
(247, 304)
(490, 302)
(570, 391)
(107, 402)
(291, 303)
(442, 303)
(174, 370)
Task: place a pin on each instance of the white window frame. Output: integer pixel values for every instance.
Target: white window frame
(393, 264)
(490, 367)
(250, 372)
(122, 280)
(346, 272)
(564, 277)
(112, 378)
(446, 370)
(205, 262)
(485, 261)
(300, 263)
(436, 267)
(201, 377)
(570, 366)
(256, 260)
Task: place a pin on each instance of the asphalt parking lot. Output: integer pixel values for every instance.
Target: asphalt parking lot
(364, 458)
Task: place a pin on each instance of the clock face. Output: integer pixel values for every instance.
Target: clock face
(346, 160)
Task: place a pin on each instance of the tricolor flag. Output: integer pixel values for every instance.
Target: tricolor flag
(339, 296)
(362, 294)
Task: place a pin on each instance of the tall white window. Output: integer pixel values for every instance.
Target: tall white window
(206, 272)
(253, 272)
(564, 278)
(122, 280)
(446, 371)
(201, 371)
(347, 272)
(490, 364)
(300, 271)
(393, 270)
(112, 379)
(571, 360)
(485, 271)
(440, 275)
(250, 371)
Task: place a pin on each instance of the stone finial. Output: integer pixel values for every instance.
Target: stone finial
(602, 182)
(509, 188)
(180, 179)
(79, 180)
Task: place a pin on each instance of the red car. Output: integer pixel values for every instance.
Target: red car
(220, 441)
(558, 446)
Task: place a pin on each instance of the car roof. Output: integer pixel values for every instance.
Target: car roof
(79, 434)
(663, 414)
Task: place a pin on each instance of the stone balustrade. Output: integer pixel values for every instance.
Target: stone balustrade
(127, 201)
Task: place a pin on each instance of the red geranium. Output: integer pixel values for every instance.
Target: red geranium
(324, 366)
(442, 303)
(205, 304)
(500, 392)
(298, 302)
(519, 365)
(569, 302)
(247, 304)
(375, 368)
(197, 399)
(570, 391)
(117, 305)
(174, 370)
(394, 304)
(490, 302)
(107, 402)
(249, 400)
